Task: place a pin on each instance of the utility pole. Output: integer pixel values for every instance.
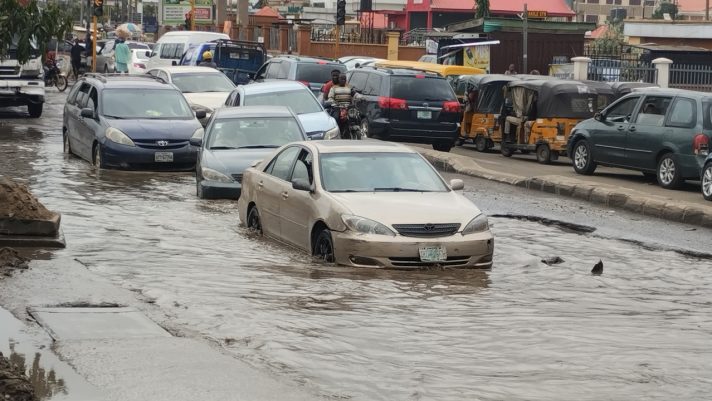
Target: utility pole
(707, 10)
(525, 39)
(192, 15)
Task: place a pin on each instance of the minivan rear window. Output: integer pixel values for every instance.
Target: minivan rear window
(311, 72)
(707, 114)
(421, 89)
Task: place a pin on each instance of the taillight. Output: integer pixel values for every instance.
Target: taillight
(392, 103)
(701, 145)
(451, 107)
(139, 65)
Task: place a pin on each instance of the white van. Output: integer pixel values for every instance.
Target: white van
(171, 46)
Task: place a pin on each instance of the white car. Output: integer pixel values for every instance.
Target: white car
(138, 61)
(205, 88)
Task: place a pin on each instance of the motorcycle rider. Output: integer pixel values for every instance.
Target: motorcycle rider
(330, 84)
(50, 66)
(341, 95)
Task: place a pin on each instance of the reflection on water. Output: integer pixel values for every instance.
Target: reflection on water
(524, 330)
(46, 384)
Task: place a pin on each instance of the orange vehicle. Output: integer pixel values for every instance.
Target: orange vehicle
(543, 115)
(485, 97)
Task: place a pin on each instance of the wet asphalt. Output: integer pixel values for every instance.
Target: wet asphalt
(522, 331)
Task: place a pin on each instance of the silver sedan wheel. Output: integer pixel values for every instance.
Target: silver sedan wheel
(667, 171)
(581, 157)
(707, 181)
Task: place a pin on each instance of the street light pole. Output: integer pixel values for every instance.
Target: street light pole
(525, 39)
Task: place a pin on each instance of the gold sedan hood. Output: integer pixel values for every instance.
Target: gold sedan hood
(409, 207)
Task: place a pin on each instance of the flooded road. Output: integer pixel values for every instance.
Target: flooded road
(522, 331)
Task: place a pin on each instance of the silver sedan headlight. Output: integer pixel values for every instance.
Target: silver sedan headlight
(214, 175)
(119, 137)
(477, 225)
(332, 133)
(366, 226)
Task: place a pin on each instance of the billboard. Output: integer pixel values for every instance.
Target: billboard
(478, 57)
(174, 11)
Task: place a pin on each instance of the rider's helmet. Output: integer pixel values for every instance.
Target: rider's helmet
(207, 55)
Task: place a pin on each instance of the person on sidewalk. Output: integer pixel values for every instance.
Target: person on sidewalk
(511, 70)
(76, 58)
(123, 56)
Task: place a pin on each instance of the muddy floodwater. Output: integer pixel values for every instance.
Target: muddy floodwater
(522, 331)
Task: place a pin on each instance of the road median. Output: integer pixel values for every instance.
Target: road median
(609, 195)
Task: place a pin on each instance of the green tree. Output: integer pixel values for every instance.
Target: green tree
(483, 9)
(666, 8)
(22, 25)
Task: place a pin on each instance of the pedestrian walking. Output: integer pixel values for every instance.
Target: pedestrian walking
(76, 58)
(122, 55)
(511, 70)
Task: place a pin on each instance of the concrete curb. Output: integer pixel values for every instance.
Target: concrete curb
(609, 195)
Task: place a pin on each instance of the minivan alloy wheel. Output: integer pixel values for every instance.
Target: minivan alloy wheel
(667, 171)
(581, 157)
(707, 182)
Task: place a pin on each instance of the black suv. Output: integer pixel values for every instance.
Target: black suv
(312, 72)
(406, 106)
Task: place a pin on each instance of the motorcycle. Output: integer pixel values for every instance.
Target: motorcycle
(349, 120)
(55, 77)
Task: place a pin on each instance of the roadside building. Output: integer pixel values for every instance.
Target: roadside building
(669, 33)
(599, 11)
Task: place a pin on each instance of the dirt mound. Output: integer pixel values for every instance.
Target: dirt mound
(11, 260)
(17, 202)
(14, 385)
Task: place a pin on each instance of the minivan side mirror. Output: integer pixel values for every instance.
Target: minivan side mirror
(599, 117)
(174, 63)
(87, 113)
(300, 184)
(200, 114)
(149, 53)
(197, 142)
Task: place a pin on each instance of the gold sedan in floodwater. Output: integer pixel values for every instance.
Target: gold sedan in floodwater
(365, 204)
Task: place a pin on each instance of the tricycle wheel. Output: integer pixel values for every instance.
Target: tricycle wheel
(543, 154)
(481, 143)
(506, 151)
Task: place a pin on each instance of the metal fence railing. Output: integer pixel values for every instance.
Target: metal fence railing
(692, 77)
(327, 33)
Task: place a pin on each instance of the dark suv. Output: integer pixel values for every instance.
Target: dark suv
(661, 132)
(130, 122)
(406, 106)
(312, 72)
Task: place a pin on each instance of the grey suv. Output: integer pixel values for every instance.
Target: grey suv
(312, 72)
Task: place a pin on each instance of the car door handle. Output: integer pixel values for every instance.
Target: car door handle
(631, 129)
(260, 185)
(285, 195)
(621, 128)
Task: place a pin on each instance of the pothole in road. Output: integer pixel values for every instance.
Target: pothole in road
(86, 321)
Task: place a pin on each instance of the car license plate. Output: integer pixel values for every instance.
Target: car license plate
(433, 254)
(164, 157)
(425, 115)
